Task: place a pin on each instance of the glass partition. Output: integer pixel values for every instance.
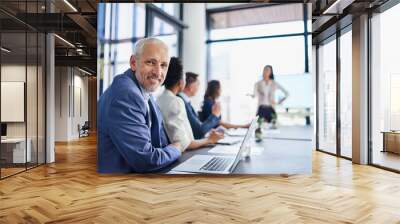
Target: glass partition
(22, 68)
(14, 145)
(327, 96)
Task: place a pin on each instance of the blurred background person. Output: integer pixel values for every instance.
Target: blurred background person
(213, 92)
(264, 91)
(199, 128)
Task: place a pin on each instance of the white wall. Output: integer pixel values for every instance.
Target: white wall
(194, 56)
(71, 87)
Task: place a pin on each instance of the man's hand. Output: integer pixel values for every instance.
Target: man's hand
(216, 109)
(177, 145)
(215, 136)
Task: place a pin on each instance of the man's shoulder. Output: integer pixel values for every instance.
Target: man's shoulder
(124, 84)
(122, 80)
(123, 88)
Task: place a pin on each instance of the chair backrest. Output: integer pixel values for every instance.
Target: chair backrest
(86, 125)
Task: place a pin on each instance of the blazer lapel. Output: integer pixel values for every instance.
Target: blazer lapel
(155, 125)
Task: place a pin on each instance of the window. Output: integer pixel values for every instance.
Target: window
(385, 88)
(120, 25)
(171, 9)
(346, 94)
(327, 96)
(166, 33)
(238, 38)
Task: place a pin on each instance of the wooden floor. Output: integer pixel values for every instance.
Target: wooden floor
(70, 191)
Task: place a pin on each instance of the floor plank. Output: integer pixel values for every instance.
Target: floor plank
(71, 191)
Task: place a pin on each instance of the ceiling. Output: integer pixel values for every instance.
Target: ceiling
(330, 15)
(74, 21)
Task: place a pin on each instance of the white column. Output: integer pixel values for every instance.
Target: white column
(194, 54)
(360, 90)
(50, 99)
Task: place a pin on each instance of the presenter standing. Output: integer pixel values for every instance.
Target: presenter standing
(265, 90)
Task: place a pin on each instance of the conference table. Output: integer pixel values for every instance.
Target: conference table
(281, 151)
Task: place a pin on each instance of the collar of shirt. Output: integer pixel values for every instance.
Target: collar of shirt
(185, 97)
(146, 95)
(169, 93)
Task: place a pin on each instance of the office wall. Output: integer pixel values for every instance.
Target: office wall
(15, 72)
(71, 102)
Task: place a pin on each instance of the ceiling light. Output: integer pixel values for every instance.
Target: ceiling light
(5, 50)
(337, 7)
(84, 71)
(70, 5)
(65, 41)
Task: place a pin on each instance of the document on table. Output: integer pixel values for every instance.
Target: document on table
(227, 149)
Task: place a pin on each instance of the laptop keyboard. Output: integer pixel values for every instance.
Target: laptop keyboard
(216, 164)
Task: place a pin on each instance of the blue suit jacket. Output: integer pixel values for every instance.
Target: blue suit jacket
(206, 110)
(199, 128)
(125, 141)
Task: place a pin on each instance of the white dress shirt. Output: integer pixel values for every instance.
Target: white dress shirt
(175, 118)
(265, 92)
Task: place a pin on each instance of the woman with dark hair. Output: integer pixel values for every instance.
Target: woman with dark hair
(265, 90)
(213, 92)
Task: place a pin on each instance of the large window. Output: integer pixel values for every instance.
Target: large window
(242, 41)
(327, 96)
(335, 93)
(385, 88)
(346, 94)
(120, 25)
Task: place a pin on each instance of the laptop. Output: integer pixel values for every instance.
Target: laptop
(216, 164)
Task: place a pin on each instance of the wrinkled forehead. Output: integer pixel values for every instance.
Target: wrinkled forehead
(158, 51)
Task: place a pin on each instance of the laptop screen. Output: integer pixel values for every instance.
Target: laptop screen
(246, 138)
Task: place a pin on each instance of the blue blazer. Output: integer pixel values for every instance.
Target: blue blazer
(125, 142)
(199, 128)
(206, 110)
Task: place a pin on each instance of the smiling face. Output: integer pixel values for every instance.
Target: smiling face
(151, 65)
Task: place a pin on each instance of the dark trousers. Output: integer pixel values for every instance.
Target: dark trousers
(266, 112)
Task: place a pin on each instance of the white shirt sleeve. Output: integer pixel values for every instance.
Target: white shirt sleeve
(176, 123)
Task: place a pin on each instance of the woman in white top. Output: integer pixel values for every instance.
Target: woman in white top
(265, 90)
(173, 110)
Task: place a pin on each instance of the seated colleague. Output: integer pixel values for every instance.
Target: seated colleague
(199, 128)
(131, 135)
(213, 92)
(173, 110)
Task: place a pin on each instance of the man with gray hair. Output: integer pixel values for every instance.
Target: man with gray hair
(131, 136)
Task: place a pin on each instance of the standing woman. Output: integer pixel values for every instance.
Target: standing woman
(213, 92)
(265, 90)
